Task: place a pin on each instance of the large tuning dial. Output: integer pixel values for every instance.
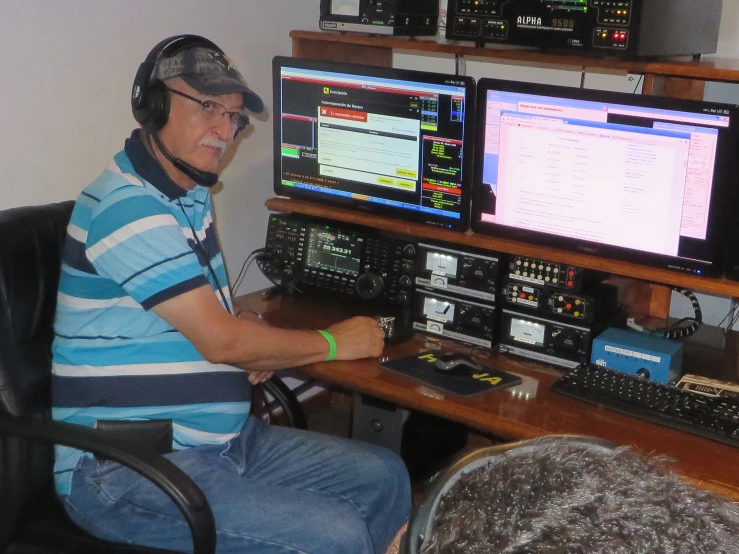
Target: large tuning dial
(369, 285)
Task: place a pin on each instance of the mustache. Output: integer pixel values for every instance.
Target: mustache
(213, 142)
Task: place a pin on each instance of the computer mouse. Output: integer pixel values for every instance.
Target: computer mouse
(454, 363)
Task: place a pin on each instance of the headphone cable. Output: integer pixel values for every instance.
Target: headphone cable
(204, 252)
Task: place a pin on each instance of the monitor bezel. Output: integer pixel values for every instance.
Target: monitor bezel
(461, 224)
(722, 195)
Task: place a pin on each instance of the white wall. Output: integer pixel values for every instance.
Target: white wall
(67, 68)
(715, 308)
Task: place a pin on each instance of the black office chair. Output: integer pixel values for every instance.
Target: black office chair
(32, 519)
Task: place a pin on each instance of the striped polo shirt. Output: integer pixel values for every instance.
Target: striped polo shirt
(130, 246)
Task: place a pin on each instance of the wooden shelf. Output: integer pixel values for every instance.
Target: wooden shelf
(723, 287)
(707, 69)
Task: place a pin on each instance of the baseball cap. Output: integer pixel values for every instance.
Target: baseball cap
(209, 72)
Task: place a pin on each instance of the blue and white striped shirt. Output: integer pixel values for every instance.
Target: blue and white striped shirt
(130, 246)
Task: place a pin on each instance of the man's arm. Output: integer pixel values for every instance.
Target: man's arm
(225, 339)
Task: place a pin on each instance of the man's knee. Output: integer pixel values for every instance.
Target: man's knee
(385, 471)
(347, 535)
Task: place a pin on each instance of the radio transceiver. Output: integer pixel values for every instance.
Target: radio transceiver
(464, 272)
(382, 17)
(541, 272)
(345, 262)
(562, 305)
(610, 27)
(553, 342)
(455, 318)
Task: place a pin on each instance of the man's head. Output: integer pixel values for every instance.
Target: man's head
(189, 95)
(569, 495)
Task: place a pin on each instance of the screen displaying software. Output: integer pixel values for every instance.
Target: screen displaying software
(627, 176)
(393, 142)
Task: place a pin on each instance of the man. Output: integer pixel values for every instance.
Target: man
(145, 333)
(573, 495)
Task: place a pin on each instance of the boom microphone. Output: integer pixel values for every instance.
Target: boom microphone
(204, 178)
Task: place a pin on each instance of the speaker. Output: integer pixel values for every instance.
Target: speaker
(425, 442)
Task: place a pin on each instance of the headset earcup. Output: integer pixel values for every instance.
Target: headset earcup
(150, 98)
(157, 106)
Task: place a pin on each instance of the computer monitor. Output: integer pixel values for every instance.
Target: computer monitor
(390, 141)
(641, 178)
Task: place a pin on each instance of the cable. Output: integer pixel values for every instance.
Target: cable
(730, 315)
(735, 316)
(637, 84)
(675, 331)
(244, 268)
(242, 275)
(204, 252)
(269, 277)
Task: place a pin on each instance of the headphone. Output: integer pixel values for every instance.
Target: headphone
(150, 99)
(150, 106)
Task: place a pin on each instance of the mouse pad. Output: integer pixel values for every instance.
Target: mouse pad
(421, 367)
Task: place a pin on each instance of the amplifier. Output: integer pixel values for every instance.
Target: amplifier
(542, 272)
(553, 342)
(612, 27)
(600, 301)
(340, 262)
(465, 272)
(382, 17)
(455, 318)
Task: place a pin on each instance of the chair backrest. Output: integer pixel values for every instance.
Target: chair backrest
(31, 241)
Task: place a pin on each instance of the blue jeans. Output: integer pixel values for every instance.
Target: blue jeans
(272, 489)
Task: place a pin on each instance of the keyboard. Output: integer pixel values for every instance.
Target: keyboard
(712, 417)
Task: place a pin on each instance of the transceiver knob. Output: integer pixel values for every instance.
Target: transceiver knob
(369, 285)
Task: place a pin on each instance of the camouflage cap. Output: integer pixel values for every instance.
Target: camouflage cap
(209, 72)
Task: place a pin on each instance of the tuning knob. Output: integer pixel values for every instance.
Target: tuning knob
(369, 285)
(406, 267)
(409, 251)
(404, 282)
(402, 298)
(287, 273)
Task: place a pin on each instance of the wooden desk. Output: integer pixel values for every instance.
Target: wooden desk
(705, 463)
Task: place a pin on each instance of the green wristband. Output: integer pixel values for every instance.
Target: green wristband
(331, 344)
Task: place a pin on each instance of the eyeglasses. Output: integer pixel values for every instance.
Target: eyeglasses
(213, 112)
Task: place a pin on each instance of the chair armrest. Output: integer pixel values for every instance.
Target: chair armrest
(183, 491)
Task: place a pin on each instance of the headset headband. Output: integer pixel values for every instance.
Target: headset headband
(166, 48)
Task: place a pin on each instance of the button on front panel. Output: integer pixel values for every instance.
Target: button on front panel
(482, 8)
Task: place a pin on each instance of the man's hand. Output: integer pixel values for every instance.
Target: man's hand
(257, 377)
(358, 337)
